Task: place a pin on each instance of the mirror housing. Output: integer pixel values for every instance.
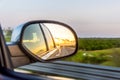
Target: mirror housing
(45, 39)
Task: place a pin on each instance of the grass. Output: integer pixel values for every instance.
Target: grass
(107, 57)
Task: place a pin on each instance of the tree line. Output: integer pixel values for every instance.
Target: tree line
(98, 43)
(7, 33)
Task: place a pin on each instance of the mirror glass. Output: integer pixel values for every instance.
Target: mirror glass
(49, 40)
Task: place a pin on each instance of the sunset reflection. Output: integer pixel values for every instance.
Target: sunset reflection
(62, 36)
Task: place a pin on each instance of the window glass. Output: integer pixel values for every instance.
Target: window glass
(48, 37)
(33, 40)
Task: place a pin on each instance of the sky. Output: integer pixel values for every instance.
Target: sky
(89, 18)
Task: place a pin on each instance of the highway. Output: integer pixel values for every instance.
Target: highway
(62, 51)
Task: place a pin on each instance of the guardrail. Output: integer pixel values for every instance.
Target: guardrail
(74, 70)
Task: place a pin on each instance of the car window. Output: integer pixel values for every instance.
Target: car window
(33, 40)
(48, 37)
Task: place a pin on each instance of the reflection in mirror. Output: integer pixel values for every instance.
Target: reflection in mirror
(33, 40)
(49, 40)
(63, 38)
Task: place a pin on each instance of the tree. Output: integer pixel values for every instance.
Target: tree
(8, 32)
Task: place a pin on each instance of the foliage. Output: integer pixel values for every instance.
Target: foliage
(107, 57)
(7, 38)
(94, 57)
(7, 34)
(101, 51)
(98, 43)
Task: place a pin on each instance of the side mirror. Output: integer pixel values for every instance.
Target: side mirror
(45, 39)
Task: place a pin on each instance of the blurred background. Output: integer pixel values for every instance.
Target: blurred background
(96, 22)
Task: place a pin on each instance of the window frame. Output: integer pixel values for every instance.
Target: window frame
(47, 41)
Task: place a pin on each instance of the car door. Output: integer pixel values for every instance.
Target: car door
(35, 42)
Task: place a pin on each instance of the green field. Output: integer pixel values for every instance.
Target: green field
(100, 51)
(108, 57)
